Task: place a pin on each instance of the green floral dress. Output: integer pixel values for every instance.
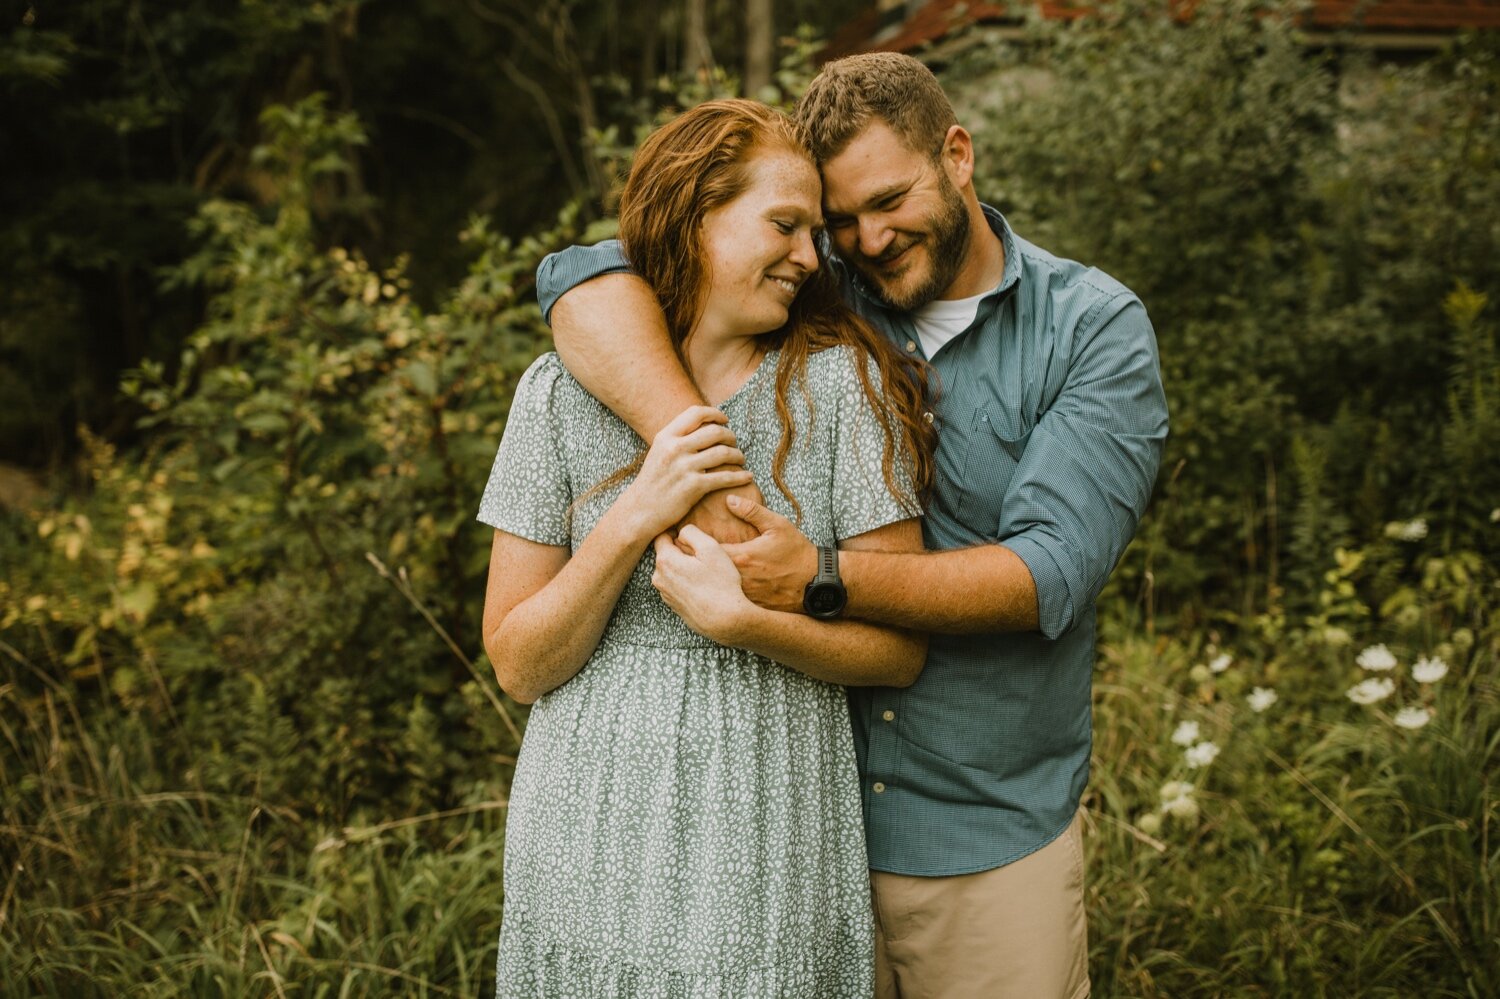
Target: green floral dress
(685, 818)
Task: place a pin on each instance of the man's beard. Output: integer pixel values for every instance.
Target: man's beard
(947, 241)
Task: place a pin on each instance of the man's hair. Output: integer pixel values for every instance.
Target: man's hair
(851, 92)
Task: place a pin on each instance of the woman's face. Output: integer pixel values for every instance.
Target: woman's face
(759, 247)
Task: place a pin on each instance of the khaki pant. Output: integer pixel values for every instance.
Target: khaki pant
(1016, 932)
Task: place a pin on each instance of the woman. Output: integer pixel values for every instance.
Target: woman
(685, 816)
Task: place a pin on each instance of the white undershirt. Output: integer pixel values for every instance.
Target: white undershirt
(939, 321)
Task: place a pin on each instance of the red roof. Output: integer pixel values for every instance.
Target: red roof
(938, 18)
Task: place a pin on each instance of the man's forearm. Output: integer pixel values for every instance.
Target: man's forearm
(612, 337)
(987, 588)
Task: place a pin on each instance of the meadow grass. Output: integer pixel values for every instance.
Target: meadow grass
(1323, 852)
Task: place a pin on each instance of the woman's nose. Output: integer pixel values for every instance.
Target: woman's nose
(804, 252)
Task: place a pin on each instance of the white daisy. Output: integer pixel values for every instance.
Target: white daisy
(1376, 659)
(1175, 789)
(1261, 698)
(1186, 733)
(1413, 717)
(1220, 663)
(1370, 691)
(1429, 670)
(1185, 807)
(1202, 754)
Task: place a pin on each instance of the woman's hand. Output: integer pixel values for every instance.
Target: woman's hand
(691, 457)
(698, 581)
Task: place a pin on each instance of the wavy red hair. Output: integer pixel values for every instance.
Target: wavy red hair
(700, 161)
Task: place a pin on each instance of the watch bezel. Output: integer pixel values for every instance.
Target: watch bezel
(826, 583)
(815, 592)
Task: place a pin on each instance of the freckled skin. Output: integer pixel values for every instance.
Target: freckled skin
(745, 246)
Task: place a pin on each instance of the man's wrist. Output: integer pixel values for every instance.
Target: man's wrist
(824, 596)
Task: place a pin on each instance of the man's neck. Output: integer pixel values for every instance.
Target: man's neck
(984, 264)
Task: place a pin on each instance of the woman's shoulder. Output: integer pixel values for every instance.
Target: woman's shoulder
(548, 381)
(837, 369)
(545, 371)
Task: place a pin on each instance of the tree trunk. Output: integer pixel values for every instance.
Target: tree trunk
(760, 46)
(697, 60)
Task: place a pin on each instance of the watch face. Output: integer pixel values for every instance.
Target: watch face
(825, 599)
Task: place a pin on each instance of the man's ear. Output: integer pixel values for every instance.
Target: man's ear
(958, 156)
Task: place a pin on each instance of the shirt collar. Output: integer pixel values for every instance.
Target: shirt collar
(1008, 280)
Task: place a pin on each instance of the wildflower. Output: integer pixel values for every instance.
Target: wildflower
(1376, 659)
(1185, 807)
(1413, 717)
(1370, 691)
(1148, 823)
(1175, 789)
(1336, 637)
(1186, 733)
(1220, 663)
(1262, 698)
(1202, 754)
(1409, 530)
(1429, 670)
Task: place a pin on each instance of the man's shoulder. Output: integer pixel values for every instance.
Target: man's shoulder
(1059, 273)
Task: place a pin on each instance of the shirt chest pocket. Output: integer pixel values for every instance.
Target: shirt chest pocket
(995, 447)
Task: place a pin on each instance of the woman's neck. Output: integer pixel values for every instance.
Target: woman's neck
(721, 362)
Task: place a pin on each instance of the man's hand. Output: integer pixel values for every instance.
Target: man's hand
(712, 515)
(775, 566)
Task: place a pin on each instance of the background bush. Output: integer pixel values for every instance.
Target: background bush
(250, 743)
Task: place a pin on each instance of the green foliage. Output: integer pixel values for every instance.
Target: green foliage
(215, 619)
(1294, 222)
(1325, 849)
(248, 748)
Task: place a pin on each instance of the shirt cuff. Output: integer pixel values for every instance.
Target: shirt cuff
(565, 270)
(1054, 598)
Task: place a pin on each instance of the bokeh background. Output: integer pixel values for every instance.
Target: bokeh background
(266, 285)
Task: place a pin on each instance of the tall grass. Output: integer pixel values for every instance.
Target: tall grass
(121, 881)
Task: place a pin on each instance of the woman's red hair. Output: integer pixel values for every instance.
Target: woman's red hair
(700, 161)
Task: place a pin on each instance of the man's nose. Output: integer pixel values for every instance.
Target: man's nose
(874, 236)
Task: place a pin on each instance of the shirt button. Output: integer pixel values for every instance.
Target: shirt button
(927, 417)
(879, 788)
(911, 345)
(889, 716)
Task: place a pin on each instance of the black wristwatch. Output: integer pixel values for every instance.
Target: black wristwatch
(825, 596)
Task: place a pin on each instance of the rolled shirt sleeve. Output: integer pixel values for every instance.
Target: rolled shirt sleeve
(1089, 466)
(565, 270)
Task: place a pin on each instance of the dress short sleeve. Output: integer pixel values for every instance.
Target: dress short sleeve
(529, 492)
(862, 500)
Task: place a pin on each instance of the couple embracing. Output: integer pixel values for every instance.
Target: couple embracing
(906, 448)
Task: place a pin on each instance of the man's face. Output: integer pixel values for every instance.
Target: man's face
(895, 216)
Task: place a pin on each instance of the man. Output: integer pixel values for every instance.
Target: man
(1051, 419)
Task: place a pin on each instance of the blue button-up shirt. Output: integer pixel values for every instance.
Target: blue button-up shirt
(1051, 420)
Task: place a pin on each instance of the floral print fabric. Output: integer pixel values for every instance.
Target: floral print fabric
(685, 818)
